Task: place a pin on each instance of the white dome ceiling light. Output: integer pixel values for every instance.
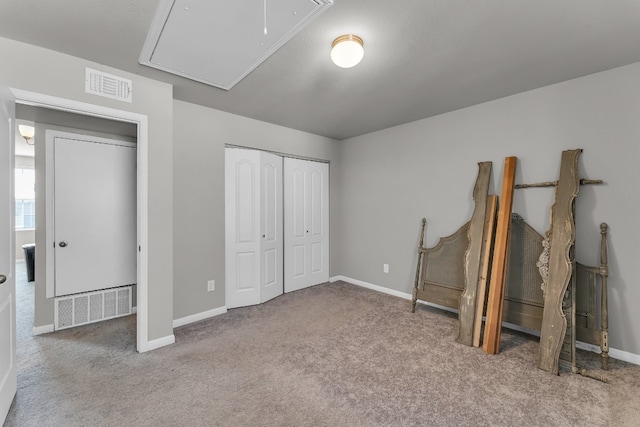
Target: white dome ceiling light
(347, 51)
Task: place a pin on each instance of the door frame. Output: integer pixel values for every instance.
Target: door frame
(141, 120)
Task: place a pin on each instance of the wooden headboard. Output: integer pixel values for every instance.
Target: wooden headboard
(441, 280)
(442, 274)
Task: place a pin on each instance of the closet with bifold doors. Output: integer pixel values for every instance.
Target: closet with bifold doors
(276, 225)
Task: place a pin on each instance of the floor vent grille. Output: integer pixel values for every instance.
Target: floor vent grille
(81, 309)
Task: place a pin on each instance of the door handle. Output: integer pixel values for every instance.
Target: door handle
(3, 279)
(62, 244)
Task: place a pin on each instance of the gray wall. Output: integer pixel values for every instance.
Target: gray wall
(393, 178)
(200, 135)
(47, 72)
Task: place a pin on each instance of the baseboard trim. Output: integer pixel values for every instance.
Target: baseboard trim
(367, 285)
(388, 291)
(625, 356)
(199, 316)
(614, 353)
(159, 342)
(39, 330)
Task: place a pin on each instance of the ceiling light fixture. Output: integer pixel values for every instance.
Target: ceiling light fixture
(347, 51)
(27, 133)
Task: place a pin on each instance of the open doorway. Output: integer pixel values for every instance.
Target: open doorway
(24, 233)
(24, 187)
(45, 119)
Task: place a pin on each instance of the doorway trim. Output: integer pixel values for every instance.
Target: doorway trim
(141, 120)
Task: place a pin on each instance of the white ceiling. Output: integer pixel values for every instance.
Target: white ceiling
(422, 57)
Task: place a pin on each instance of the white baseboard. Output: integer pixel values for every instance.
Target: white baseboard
(388, 291)
(614, 353)
(39, 330)
(382, 289)
(160, 342)
(625, 356)
(199, 316)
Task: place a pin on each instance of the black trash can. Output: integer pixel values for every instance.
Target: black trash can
(30, 259)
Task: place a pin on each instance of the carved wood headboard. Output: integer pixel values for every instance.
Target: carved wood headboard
(441, 281)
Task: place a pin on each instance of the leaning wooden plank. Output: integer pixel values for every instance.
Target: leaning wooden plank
(421, 251)
(487, 246)
(604, 305)
(562, 234)
(473, 256)
(493, 324)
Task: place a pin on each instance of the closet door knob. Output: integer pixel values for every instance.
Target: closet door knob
(62, 244)
(3, 279)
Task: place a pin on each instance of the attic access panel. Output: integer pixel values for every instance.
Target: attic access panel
(219, 42)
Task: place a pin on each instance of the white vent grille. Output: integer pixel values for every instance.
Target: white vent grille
(107, 85)
(80, 309)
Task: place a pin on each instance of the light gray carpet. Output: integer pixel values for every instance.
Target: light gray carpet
(331, 355)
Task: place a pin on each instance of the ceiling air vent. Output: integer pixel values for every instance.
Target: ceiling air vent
(107, 85)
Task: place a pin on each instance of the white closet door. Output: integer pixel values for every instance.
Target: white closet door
(242, 242)
(94, 205)
(306, 215)
(272, 238)
(253, 236)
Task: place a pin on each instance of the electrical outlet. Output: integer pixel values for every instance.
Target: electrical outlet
(385, 268)
(211, 285)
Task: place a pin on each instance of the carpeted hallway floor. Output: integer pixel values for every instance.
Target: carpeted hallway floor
(332, 355)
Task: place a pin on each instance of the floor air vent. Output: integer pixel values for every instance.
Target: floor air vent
(80, 309)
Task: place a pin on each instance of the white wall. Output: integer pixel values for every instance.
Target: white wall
(393, 178)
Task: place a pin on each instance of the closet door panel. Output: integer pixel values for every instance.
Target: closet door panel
(316, 208)
(272, 234)
(319, 223)
(242, 243)
(298, 263)
(306, 223)
(316, 258)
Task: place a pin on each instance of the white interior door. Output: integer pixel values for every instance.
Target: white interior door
(272, 244)
(242, 227)
(254, 236)
(306, 219)
(8, 380)
(94, 213)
